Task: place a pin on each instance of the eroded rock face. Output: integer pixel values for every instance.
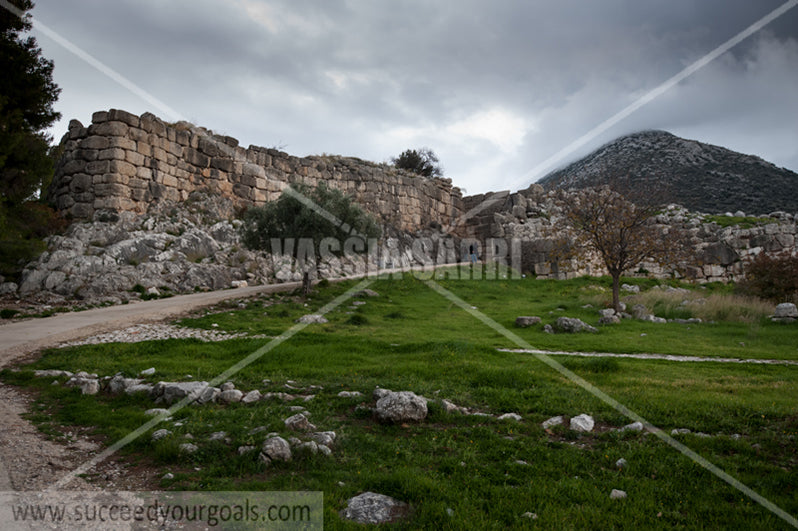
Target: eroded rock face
(403, 406)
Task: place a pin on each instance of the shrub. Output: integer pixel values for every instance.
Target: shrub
(772, 276)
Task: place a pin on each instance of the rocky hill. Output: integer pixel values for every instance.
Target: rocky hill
(698, 176)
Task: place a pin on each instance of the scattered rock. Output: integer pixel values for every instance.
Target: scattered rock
(155, 412)
(548, 329)
(276, 449)
(572, 325)
(245, 449)
(168, 476)
(227, 386)
(367, 293)
(526, 321)
(171, 392)
(188, 448)
(510, 416)
(451, 407)
(373, 508)
(634, 426)
(583, 423)
(52, 373)
(160, 434)
(251, 397)
(231, 396)
(553, 421)
(630, 288)
(312, 319)
(617, 494)
(680, 431)
(404, 406)
(621, 463)
(326, 438)
(786, 312)
(350, 394)
(217, 436)
(299, 422)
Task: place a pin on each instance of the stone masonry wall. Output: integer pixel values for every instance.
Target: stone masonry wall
(123, 162)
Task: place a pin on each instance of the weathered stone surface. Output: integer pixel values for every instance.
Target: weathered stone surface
(526, 321)
(403, 406)
(299, 422)
(170, 392)
(157, 435)
(251, 397)
(553, 421)
(572, 325)
(510, 416)
(617, 494)
(583, 423)
(786, 312)
(276, 449)
(373, 508)
(230, 396)
(634, 426)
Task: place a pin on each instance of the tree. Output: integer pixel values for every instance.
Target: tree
(27, 95)
(620, 232)
(301, 213)
(423, 162)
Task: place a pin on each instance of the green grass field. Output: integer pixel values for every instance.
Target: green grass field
(471, 472)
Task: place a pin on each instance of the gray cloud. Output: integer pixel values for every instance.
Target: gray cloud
(494, 88)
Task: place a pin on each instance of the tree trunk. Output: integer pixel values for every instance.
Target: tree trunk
(306, 283)
(616, 292)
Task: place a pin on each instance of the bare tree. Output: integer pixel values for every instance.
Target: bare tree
(620, 232)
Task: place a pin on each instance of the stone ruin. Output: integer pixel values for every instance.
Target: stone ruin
(125, 163)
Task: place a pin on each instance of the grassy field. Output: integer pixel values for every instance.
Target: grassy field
(472, 472)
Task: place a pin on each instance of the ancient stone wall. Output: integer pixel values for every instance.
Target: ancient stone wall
(532, 216)
(123, 162)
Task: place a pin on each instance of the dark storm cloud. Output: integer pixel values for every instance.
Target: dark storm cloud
(493, 87)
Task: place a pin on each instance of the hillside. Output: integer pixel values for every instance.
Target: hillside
(695, 175)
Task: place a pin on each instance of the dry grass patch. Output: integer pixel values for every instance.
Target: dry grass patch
(715, 307)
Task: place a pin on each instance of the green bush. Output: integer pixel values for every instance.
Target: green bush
(772, 276)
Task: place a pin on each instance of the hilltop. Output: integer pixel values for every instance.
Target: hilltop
(698, 176)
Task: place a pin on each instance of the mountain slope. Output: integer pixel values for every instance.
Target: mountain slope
(698, 176)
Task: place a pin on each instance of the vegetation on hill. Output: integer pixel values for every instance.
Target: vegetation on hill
(422, 162)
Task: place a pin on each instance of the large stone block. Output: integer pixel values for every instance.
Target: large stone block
(152, 124)
(123, 116)
(112, 154)
(159, 154)
(200, 160)
(223, 164)
(80, 183)
(122, 167)
(122, 142)
(94, 142)
(134, 157)
(109, 129)
(98, 117)
(74, 166)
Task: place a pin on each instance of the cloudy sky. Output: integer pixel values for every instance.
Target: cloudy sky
(498, 89)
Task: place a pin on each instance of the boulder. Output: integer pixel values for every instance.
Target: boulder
(276, 449)
(404, 406)
(171, 392)
(572, 325)
(251, 397)
(526, 321)
(160, 434)
(373, 508)
(326, 438)
(786, 312)
(230, 396)
(299, 422)
(583, 423)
